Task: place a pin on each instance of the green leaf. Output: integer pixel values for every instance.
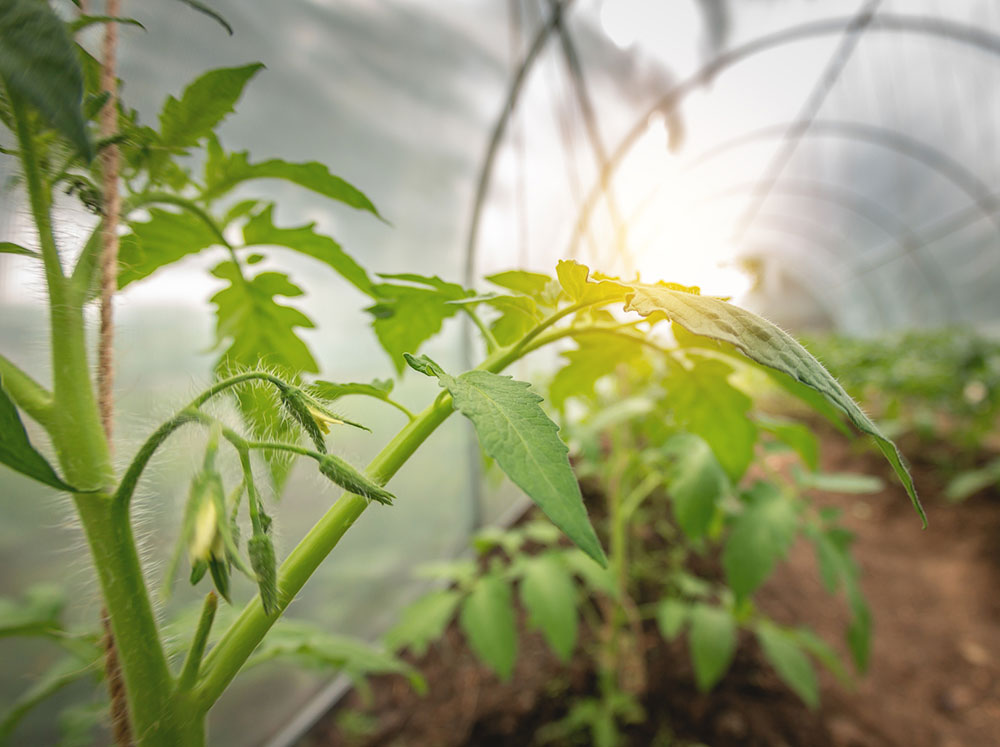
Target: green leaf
(17, 452)
(842, 482)
(518, 315)
(39, 63)
(203, 105)
(37, 613)
(706, 404)
(794, 435)
(859, 631)
(225, 171)
(64, 672)
(521, 281)
(329, 390)
(406, 316)
(671, 615)
(515, 431)
(202, 8)
(162, 240)
(423, 622)
(261, 231)
(696, 483)
(761, 535)
(487, 619)
(969, 482)
(260, 331)
(312, 647)
(84, 21)
(770, 346)
(596, 356)
(783, 650)
(712, 639)
(575, 281)
(6, 247)
(549, 596)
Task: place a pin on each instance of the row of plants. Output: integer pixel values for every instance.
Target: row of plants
(688, 454)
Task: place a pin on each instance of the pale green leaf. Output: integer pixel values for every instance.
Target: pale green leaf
(782, 648)
(842, 482)
(261, 231)
(514, 430)
(696, 483)
(760, 536)
(17, 452)
(225, 171)
(64, 672)
(574, 279)
(203, 105)
(969, 482)
(39, 63)
(712, 639)
(549, 596)
(37, 613)
(423, 622)
(770, 346)
(7, 247)
(596, 356)
(378, 388)
(487, 619)
(518, 315)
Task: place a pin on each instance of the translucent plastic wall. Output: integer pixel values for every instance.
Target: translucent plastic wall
(833, 164)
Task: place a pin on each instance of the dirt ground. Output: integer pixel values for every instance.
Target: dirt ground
(934, 679)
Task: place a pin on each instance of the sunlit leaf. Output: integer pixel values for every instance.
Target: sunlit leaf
(38, 63)
(518, 315)
(575, 282)
(770, 346)
(521, 281)
(595, 357)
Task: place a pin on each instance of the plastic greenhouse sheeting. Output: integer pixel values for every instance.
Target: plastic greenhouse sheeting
(833, 165)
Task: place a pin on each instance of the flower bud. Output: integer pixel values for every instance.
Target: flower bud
(340, 472)
(264, 566)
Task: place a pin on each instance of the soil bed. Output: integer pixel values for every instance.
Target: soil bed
(935, 667)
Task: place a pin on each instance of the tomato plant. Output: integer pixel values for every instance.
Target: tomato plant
(177, 181)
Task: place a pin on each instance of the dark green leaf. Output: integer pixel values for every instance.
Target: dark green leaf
(696, 483)
(783, 650)
(487, 619)
(549, 596)
(225, 171)
(770, 346)
(706, 404)
(202, 8)
(261, 231)
(162, 240)
(761, 535)
(204, 103)
(39, 64)
(423, 622)
(17, 452)
(712, 639)
(82, 22)
(515, 431)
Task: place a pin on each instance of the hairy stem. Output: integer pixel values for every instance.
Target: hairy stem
(189, 672)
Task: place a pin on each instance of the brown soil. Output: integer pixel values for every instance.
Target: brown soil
(934, 679)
